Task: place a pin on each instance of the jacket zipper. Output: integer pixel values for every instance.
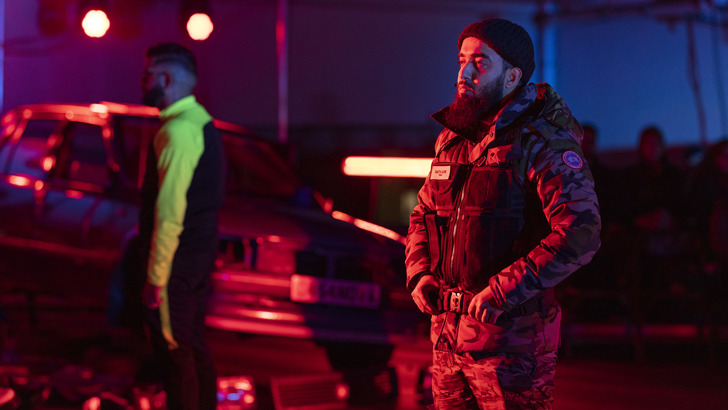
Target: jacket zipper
(458, 209)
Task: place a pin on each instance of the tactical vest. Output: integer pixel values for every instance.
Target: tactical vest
(485, 216)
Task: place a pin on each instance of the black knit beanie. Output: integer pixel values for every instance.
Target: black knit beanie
(508, 39)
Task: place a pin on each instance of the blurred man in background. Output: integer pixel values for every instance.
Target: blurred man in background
(181, 195)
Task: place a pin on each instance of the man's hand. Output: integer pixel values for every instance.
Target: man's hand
(152, 295)
(481, 309)
(422, 295)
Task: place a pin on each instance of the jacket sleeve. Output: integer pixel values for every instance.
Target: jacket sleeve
(178, 149)
(417, 252)
(555, 168)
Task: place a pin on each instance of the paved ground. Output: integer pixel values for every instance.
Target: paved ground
(599, 373)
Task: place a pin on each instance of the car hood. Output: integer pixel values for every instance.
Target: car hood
(308, 227)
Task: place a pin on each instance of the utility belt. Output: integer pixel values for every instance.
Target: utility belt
(458, 301)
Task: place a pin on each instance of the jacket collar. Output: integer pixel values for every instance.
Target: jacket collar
(524, 97)
(178, 106)
(540, 100)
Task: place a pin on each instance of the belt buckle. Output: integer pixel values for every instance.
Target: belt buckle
(456, 300)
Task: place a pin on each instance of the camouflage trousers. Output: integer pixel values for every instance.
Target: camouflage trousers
(496, 381)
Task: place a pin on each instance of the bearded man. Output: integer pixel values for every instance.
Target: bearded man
(507, 212)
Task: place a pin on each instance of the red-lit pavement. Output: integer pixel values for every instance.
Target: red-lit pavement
(677, 374)
(601, 376)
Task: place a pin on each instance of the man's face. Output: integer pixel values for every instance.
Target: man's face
(721, 160)
(481, 74)
(650, 147)
(152, 85)
(480, 86)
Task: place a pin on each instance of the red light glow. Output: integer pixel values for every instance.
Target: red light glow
(144, 403)
(99, 108)
(387, 167)
(94, 403)
(48, 163)
(95, 23)
(342, 391)
(368, 226)
(71, 193)
(199, 26)
(19, 181)
(8, 122)
(244, 385)
(234, 391)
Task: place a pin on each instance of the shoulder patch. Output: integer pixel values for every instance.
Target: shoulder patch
(572, 160)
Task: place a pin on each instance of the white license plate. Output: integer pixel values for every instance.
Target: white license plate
(309, 289)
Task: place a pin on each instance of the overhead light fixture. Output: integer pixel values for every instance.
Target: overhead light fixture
(95, 20)
(196, 19)
(386, 167)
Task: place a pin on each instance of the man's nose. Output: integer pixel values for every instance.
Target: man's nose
(466, 72)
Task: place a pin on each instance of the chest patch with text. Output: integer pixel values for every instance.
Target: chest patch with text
(441, 172)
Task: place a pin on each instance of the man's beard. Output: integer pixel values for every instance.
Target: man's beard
(153, 97)
(466, 112)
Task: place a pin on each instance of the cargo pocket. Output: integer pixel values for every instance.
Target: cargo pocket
(435, 227)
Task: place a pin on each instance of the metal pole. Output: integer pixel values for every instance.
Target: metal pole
(694, 77)
(282, 48)
(541, 17)
(546, 44)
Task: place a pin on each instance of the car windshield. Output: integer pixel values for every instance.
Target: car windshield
(253, 166)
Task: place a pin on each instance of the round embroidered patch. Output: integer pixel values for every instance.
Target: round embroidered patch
(572, 160)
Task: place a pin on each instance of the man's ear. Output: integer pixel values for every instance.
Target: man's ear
(513, 78)
(166, 80)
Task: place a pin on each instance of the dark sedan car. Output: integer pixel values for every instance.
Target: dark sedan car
(69, 180)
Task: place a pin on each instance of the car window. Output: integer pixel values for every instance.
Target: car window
(82, 156)
(27, 155)
(132, 141)
(254, 168)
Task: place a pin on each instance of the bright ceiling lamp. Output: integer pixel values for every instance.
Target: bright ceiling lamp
(95, 21)
(199, 26)
(196, 18)
(387, 167)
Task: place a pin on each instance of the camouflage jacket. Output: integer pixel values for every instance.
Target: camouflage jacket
(511, 207)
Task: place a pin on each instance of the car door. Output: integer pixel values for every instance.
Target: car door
(24, 164)
(30, 261)
(80, 208)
